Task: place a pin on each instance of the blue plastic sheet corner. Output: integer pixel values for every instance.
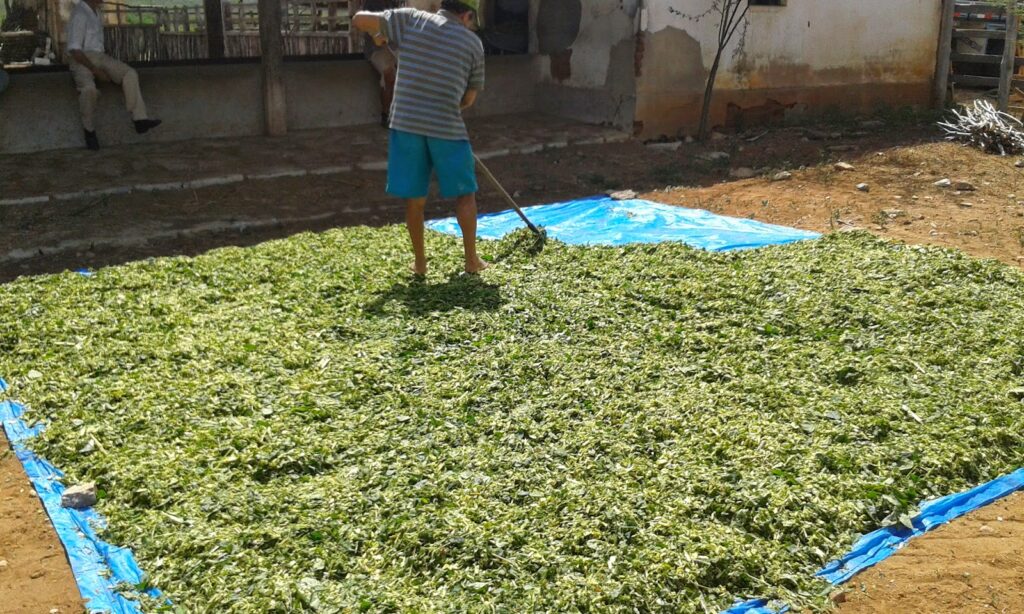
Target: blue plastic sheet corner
(99, 568)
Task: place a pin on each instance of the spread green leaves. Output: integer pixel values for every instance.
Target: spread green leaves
(300, 425)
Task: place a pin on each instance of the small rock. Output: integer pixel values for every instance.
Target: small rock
(37, 574)
(999, 518)
(1019, 163)
(690, 139)
(844, 166)
(986, 529)
(717, 136)
(3, 564)
(893, 213)
(517, 194)
(943, 183)
(966, 205)
(872, 123)
(743, 172)
(33, 374)
(623, 195)
(838, 597)
(963, 186)
(782, 176)
(715, 156)
(79, 496)
(863, 187)
(54, 610)
(670, 146)
(835, 135)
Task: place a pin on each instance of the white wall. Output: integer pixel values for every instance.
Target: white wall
(849, 53)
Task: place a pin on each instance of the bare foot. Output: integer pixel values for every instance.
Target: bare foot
(480, 265)
(419, 270)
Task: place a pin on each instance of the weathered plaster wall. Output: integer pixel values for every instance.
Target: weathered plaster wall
(585, 58)
(40, 111)
(807, 56)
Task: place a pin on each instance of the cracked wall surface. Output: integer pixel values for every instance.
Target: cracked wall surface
(808, 56)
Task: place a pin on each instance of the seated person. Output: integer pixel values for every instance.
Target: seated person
(90, 64)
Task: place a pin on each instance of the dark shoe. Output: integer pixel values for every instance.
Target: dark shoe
(91, 142)
(142, 126)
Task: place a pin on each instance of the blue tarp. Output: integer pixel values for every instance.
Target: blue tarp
(876, 546)
(98, 566)
(604, 221)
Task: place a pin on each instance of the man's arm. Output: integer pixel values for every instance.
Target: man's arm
(372, 24)
(476, 80)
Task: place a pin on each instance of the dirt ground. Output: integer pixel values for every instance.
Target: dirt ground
(975, 564)
(899, 159)
(34, 573)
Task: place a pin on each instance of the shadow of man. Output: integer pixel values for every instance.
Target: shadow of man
(459, 291)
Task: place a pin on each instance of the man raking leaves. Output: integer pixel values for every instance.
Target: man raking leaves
(440, 73)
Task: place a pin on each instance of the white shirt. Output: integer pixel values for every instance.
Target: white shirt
(85, 30)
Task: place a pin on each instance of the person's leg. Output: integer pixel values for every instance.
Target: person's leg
(409, 169)
(456, 174)
(125, 76)
(386, 65)
(85, 82)
(388, 92)
(465, 213)
(415, 224)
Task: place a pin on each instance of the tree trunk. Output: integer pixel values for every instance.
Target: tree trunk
(709, 91)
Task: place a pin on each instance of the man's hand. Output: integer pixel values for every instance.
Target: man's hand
(468, 100)
(101, 75)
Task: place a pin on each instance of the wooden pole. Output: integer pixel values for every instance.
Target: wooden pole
(272, 54)
(1008, 66)
(214, 14)
(942, 64)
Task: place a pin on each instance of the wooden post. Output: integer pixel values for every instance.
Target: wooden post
(942, 65)
(1008, 67)
(272, 54)
(214, 14)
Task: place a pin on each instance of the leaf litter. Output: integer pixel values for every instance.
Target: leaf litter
(300, 426)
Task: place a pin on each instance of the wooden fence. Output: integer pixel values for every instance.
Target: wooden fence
(972, 65)
(150, 33)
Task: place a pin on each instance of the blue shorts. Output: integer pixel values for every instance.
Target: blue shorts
(413, 157)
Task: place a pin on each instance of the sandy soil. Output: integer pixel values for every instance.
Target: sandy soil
(975, 564)
(34, 574)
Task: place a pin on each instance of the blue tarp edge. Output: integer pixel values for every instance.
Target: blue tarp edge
(99, 568)
(601, 220)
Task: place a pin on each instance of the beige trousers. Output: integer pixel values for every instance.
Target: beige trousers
(119, 73)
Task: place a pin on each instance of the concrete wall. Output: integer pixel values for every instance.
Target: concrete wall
(810, 55)
(39, 111)
(585, 52)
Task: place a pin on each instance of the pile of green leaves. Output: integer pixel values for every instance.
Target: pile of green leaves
(300, 425)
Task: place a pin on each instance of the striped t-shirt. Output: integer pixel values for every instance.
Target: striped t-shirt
(438, 60)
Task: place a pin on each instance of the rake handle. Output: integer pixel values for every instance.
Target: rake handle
(504, 193)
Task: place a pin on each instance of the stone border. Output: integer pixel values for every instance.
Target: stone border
(280, 173)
